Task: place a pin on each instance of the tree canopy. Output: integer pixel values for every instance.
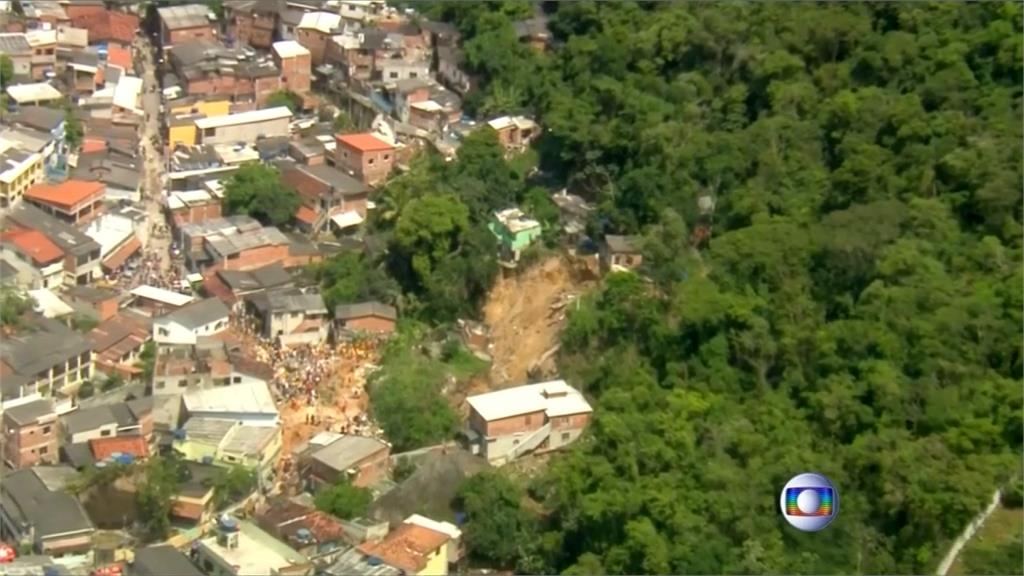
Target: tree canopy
(344, 500)
(286, 98)
(12, 305)
(6, 71)
(353, 277)
(406, 394)
(858, 309)
(257, 190)
(441, 252)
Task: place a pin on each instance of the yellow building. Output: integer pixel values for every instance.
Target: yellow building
(19, 171)
(183, 114)
(230, 443)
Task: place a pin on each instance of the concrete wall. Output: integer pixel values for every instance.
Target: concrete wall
(295, 73)
(185, 35)
(437, 563)
(169, 332)
(392, 70)
(66, 545)
(195, 450)
(370, 470)
(244, 132)
(197, 213)
(370, 167)
(254, 258)
(171, 384)
(523, 423)
(33, 444)
(314, 41)
(105, 431)
(255, 29)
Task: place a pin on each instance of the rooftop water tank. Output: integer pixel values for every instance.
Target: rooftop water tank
(227, 523)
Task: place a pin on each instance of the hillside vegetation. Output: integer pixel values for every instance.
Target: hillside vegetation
(861, 313)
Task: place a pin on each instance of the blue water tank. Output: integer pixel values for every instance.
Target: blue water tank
(460, 518)
(374, 561)
(303, 535)
(179, 434)
(126, 459)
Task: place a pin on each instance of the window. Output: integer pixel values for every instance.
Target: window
(565, 436)
(238, 379)
(104, 433)
(387, 156)
(46, 429)
(43, 450)
(159, 385)
(393, 74)
(370, 161)
(163, 332)
(182, 383)
(412, 74)
(515, 442)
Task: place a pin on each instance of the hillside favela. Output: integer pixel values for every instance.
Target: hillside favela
(432, 287)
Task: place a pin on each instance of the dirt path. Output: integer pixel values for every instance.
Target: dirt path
(525, 315)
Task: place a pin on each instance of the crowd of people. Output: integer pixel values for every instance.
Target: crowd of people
(324, 379)
(147, 271)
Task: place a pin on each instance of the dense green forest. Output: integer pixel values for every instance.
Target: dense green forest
(857, 310)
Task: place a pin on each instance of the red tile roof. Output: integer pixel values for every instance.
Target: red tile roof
(102, 448)
(107, 25)
(407, 547)
(324, 527)
(34, 244)
(66, 194)
(363, 142)
(91, 145)
(75, 11)
(119, 57)
(121, 255)
(306, 215)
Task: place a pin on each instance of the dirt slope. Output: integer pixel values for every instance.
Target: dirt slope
(525, 314)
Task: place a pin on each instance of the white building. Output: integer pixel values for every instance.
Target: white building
(36, 93)
(147, 298)
(505, 424)
(243, 549)
(128, 95)
(188, 323)
(250, 403)
(244, 127)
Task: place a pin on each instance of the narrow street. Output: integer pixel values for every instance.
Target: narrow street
(152, 155)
